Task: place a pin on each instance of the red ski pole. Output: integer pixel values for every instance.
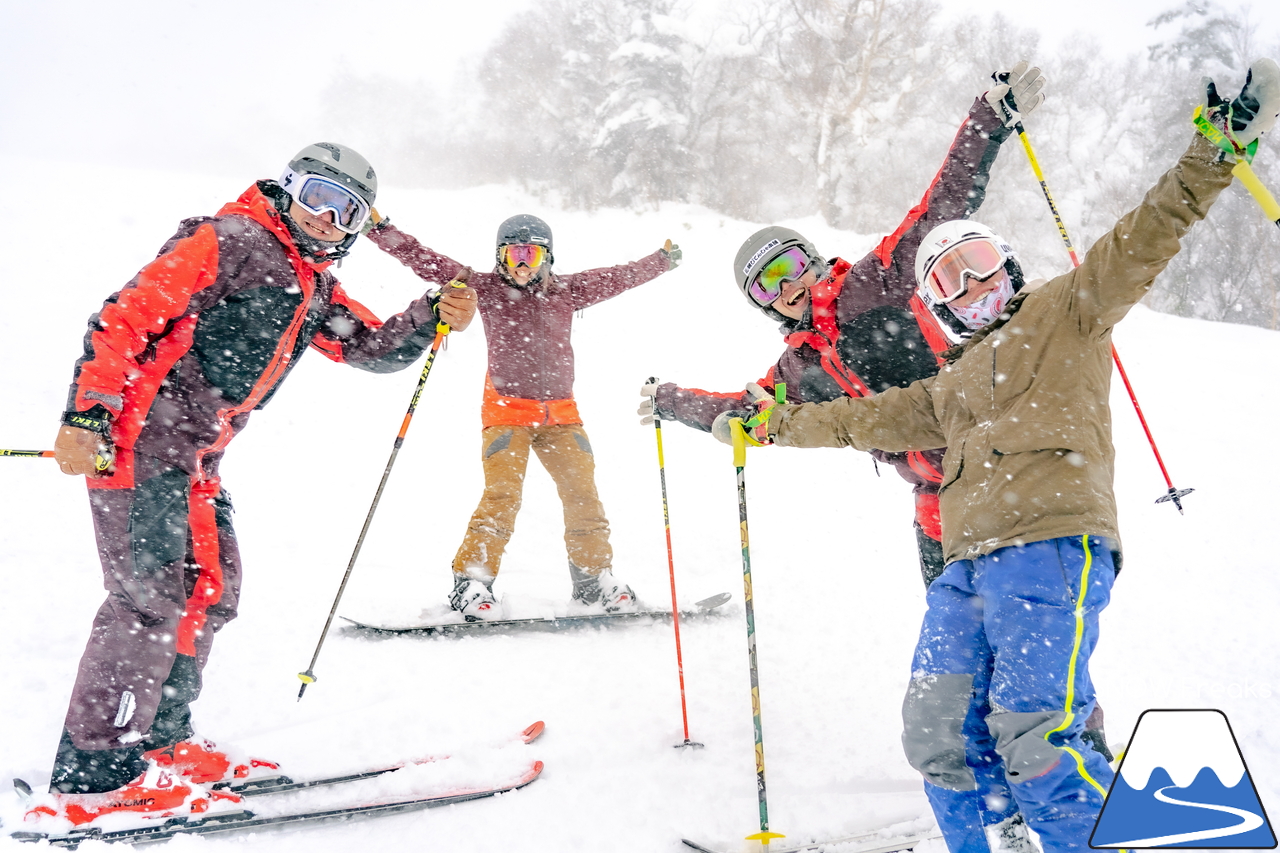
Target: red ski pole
(1174, 494)
(671, 569)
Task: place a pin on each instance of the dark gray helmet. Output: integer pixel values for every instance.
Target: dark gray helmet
(524, 228)
(762, 247)
(340, 163)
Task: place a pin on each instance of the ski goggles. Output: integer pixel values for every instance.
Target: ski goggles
(528, 254)
(317, 195)
(976, 260)
(789, 266)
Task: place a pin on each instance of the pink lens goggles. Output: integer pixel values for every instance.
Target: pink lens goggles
(789, 266)
(977, 260)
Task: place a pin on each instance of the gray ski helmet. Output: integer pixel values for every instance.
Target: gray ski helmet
(762, 247)
(339, 163)
(522, 229)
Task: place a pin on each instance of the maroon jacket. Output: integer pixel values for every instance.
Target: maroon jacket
(177, 360)
(527, 328)
(860, 334)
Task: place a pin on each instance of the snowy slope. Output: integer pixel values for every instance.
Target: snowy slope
(1190, 625)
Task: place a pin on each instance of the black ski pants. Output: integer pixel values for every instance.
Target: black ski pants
(171, 568)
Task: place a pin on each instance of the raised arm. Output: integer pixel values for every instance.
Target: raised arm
(886, 276)
(591, 286)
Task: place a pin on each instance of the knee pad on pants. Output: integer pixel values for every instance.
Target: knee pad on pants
(933, 715)
(1020, 741)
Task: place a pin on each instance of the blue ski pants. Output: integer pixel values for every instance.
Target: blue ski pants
(1000, 692)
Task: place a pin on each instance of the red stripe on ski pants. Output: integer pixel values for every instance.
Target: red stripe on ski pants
(171, 568)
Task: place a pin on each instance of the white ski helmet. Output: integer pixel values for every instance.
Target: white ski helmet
(938, 243)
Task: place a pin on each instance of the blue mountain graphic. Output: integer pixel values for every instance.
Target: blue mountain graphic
(1131, 814)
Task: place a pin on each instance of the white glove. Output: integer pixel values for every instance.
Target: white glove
(1016, 93)
(1254, 111)
(648, 392)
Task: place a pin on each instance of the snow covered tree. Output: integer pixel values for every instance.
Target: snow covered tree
(643, 121)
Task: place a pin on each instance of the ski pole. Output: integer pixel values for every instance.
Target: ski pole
(671, 569)
(764, 836)
(101, 460)
(442, 329)
(1174, 494)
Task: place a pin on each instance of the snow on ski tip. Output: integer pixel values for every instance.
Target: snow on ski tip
(705, 607)
(279, 784)
(243, 819)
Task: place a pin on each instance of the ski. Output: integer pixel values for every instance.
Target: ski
(263, 785)
(871, 842)
(241, 820)
(555, 623)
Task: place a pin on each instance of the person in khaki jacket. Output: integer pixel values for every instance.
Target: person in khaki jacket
(1000, 679)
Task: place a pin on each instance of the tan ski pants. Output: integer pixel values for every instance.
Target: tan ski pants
(565, 452)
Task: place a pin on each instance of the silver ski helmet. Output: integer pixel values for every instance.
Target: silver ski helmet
(328, 178)
(524, 229)
(761, 248)
(947, 240)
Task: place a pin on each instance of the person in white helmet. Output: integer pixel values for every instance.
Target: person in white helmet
(1000, 682)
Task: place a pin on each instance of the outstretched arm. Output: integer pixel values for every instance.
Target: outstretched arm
(886, 276)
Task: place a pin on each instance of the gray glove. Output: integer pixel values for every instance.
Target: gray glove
(673, 254)
(1016, 93)
(648, 392)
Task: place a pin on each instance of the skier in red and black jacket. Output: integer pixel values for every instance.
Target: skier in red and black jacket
(855, 329)
(173, 366)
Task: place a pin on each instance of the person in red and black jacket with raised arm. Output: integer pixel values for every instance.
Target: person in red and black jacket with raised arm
(528, 309)
(173, 366)
(855, 329)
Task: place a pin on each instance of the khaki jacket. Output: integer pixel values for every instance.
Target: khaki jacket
(1023, 412)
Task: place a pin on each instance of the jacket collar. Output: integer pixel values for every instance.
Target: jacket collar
(254, 204)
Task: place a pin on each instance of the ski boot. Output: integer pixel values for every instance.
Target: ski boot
(604, 588)
(474, 600)
(1011, 836)
(200, 761)
(157, 793)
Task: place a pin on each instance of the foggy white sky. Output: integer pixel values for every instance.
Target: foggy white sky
(233, 86)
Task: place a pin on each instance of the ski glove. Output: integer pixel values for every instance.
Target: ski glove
(1236, 126)
(648, 399)
(1016, 93)
(672, 253)
(83, 451)
(754, 423)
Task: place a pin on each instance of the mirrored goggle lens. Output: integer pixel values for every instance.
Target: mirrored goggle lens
(789, 266)
(318, 195)
(977, 259)
(524, 253)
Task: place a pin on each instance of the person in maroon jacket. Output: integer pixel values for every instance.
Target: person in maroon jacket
(527, 311)
(173, 366)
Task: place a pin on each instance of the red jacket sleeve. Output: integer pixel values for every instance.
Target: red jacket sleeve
(132, 319)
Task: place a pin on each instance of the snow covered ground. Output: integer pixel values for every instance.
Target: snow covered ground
(838, 593)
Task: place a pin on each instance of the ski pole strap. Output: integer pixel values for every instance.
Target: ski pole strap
(1221, 138)
(1260, 193)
